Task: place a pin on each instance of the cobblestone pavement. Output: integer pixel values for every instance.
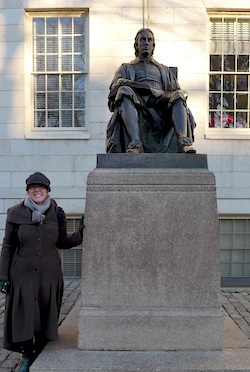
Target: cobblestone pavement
(72, 290)
(235, 301)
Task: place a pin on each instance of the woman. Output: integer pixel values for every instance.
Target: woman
(31, 268)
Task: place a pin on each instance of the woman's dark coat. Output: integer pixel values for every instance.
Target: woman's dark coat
(30, 261)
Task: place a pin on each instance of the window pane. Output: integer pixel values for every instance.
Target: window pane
(242, 82)
(53, 119)
(39, 83)
(66, 63)
(237, 269)
(40, 119)
(66, 100)
(243, 36)
(226, 241)
(229, 63)
(79, 63)
(79, 118)
(67, 44)
(228, 101)
(80, 82)
(239, 241)
(238, 255)
(241, 101)
(241, 120)
(214, 119)
(38, 26)
(79, 25)
(228, 82)
(214, 100)
(39, 101)
(66, 82)
(243, 63)
(79, 100)
(225, 269)
(79, 44)
(215, 82)
(247, 255)
(225, 255)
(52, 63)
(66, 24)
(39, 44)
(215, 62)
(247, 270)
(52, 44)
(52, 26)
(227, 119)
(39, 63)
(66, 119)
(53, 82)
(226, 226)
(53, 100)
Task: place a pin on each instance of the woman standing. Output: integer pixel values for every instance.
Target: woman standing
(30, 270)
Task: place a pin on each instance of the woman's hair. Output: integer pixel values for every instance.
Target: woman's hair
(137, 37)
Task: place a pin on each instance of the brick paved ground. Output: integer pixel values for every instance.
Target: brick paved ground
(235, 301)
(72, 290)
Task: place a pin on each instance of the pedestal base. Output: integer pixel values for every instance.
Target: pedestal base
(151, 255)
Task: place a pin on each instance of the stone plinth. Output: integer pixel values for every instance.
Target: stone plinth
(150, 276)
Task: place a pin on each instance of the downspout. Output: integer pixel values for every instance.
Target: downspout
(145, 13)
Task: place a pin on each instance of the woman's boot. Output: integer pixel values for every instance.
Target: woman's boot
(24, 365)
(27, 356)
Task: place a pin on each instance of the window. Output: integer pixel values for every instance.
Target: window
(72, 258)
(59, 72)
(229, 83)
(235, 247)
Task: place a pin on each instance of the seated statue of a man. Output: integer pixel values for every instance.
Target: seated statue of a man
(150, 112)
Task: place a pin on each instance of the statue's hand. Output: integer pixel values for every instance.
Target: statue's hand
(121, 81)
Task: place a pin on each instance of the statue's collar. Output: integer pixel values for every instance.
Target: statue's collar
(137, 60)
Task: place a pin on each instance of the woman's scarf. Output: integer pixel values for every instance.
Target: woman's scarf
(37, 209)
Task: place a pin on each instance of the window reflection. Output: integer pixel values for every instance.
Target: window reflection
(228, 82)
(242, 82)
(241, 120)
(228, 101)
(229, 62)
(243, 63)
(215, 82)
(215, 62)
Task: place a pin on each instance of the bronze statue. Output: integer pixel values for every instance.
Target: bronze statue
(150, 110)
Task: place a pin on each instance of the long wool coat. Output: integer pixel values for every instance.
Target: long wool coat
(30, 261)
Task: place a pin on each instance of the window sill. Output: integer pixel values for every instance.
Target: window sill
(57, 134)
(228, 133)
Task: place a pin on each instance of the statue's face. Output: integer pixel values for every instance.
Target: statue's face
(145, 44)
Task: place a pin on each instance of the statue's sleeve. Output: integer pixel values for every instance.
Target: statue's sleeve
(172, 81)
(121, 72)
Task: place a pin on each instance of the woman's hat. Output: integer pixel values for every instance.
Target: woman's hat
(38, 178)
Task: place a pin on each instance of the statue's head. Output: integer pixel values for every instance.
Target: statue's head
(137, 39)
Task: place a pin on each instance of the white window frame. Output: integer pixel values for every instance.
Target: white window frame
(33, 132)
(223, 133)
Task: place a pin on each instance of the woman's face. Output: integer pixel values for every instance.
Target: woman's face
(37, 193)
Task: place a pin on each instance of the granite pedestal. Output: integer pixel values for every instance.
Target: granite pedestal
(150, 275)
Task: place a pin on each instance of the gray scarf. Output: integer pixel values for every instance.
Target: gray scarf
(37, 209)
